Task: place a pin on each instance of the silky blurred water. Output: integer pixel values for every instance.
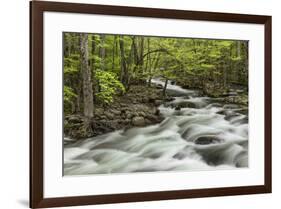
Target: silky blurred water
(201, 135)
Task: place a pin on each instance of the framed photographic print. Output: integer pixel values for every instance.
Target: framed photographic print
(139, 104)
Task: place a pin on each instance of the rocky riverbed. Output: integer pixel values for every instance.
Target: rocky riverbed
(138, 107)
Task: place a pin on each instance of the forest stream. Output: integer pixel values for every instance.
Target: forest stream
(203, 134)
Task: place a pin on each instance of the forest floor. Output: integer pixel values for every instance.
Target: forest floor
(137, 108)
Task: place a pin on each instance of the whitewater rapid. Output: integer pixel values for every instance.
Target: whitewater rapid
(200, 135)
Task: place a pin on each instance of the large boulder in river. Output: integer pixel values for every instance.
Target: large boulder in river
(169, 99)
(138, 121)
(185, 105)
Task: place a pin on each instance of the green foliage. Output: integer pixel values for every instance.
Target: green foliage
(68, 98)
(68, 94)
(189, 61)
(109, 86)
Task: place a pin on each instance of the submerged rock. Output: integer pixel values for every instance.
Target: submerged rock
(184, 105)
(231, 116)
(178, 108)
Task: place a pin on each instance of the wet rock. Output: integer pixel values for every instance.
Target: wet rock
(157, 112)
(243, 111)
(203, 140)
(230, 106)
(242, 120)
(138, 121)
(147, 122)
(159, 86)
(185, 105)
(241, 159)
(153, 118)
(169, 99)
(215, 105)
(190, 105)
(187, 132)
(224, 94)
(231, 116)
(177, 108)
(222, 112)
(180, 155)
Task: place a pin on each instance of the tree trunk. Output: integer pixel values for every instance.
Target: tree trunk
(68, 43)
(148, 64)
(86, 77)
(153, 67)
(95, 83)
(224, 75)
(102, 52)
(113, 53)
(165, 87)
(238, 48)
(124, 70)
(93, 43)
(141, 52)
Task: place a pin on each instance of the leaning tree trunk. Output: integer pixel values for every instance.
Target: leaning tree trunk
(165, 87)
(86, 77)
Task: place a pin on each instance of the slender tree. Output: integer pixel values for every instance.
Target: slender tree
(102, 51)
(86, 77)
(124, 69)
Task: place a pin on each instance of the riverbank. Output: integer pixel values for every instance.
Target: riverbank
(137, 108)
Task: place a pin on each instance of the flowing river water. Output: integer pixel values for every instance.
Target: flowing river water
(198, 133)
